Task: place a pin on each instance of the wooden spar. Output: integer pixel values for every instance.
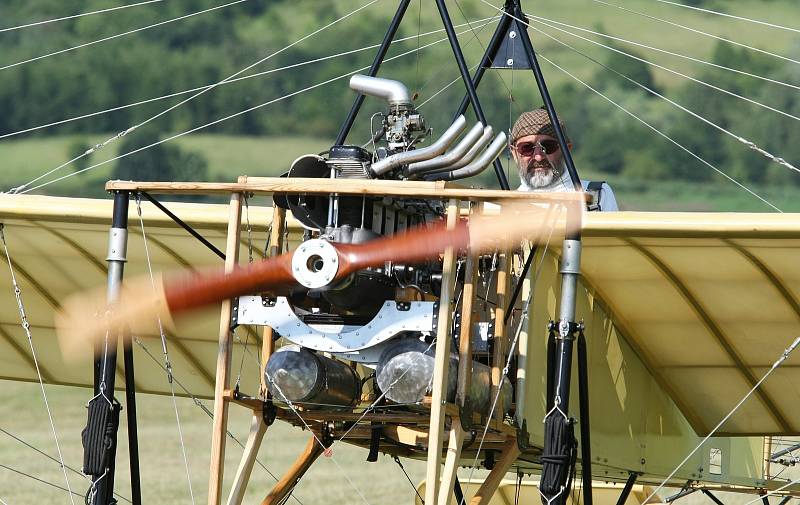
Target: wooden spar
(295, 473)
(500, 337)
(275, 249)
(299, 185)
(242, 478)
(441, 364)
(508, 455)
(224, 361)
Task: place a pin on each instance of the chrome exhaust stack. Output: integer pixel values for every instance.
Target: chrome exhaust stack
(477, 166)
(390, 162)
(450, 157)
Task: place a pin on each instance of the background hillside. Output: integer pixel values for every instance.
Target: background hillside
(647, 171)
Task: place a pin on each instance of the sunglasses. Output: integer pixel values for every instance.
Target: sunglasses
(528, 148)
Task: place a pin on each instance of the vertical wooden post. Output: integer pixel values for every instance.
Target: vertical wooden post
(500, 337)
(441, 364)
(456, 439)
(275, 248)
(224, 360)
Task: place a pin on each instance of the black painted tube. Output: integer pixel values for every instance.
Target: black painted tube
(583, 395)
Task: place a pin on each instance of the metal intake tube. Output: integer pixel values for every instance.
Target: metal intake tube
(452, 156)
(385, 165)
(392, 91)
(477, 166)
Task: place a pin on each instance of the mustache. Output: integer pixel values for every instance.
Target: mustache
(539, 164)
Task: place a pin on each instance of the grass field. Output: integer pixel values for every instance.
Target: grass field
(231, 156)
(164, 481)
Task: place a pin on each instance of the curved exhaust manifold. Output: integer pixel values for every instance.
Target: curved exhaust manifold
(452, 156)
(390, 162)
(477, 166)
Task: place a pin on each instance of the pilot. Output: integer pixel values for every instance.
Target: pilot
(541, 163)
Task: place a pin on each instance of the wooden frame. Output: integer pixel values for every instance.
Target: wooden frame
(440, 482)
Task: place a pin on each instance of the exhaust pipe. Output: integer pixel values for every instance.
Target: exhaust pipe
(482, 142)
(385, 165)
(392, 91)
(452, 156)
(477, 166)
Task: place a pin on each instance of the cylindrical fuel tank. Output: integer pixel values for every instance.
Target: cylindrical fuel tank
(311, 379)
(405, 373)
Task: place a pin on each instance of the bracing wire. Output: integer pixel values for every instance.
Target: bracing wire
(748, 143)
(71, 469)
(118, 35)
(740, 18)
(204, 90)
(522, 320)
(546, 22)
(74, 16)
(677, 55)
(659, 132)
(699, 32)
(19, 472)
(250, 109)
(500, 75)
(27, 328)
(316, 437)
(744, 141)
(783, 357)
(165, 350)
(250, 76)
(202, 406)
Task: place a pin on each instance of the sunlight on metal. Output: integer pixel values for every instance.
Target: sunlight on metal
(39, 23)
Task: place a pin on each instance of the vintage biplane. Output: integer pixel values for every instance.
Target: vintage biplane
(402, 312)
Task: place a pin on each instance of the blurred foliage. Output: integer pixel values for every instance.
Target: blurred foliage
(208, 48)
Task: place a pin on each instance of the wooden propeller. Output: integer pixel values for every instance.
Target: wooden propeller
(87, 318)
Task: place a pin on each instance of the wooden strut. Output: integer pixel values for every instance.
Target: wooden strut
(224, 360)
(441, 364)
(508, 455)
(295, 473)
(457, 433)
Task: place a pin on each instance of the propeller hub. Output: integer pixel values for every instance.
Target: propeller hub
(315, 263)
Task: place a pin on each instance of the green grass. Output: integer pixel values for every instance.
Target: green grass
(231, 156)
(22, 413)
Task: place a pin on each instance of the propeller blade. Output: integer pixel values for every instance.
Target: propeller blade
(86, 318)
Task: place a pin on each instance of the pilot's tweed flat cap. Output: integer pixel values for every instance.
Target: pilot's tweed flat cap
(535, 122)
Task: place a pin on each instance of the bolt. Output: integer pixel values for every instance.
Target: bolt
(512, 34)
(510, 62)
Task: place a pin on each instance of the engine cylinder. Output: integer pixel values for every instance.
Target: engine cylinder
(301, 376)
(405, 372)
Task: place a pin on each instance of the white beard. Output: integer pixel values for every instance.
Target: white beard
(539, 180)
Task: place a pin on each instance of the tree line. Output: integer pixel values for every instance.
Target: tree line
(207, 48)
